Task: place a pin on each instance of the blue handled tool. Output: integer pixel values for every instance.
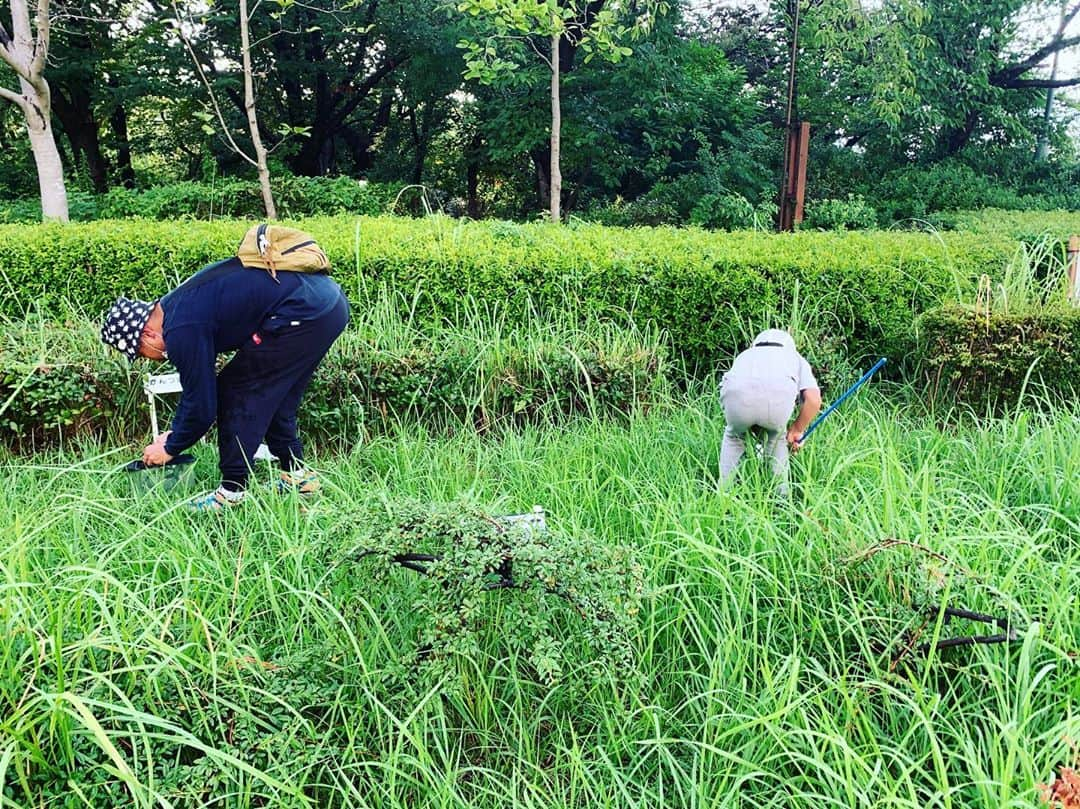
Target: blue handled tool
(838, 402)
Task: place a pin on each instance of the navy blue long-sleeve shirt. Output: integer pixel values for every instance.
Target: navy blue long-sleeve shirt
(202, 320)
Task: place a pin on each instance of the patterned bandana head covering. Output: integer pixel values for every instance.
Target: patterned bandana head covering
(124, 324)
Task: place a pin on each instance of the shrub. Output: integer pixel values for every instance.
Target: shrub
(853, 213)
(564, 605)
(723, 212)
(1029, 227)
(229, 197)
(698, 287)
(926, 192)
(639, 212)
(987, 361)
(58, 380)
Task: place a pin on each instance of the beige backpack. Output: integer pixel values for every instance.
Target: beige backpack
(275, 247)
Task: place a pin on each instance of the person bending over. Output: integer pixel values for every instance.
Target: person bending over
(280, 328)
(760, 391)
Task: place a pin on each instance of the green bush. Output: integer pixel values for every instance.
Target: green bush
(229, 198)
(638, 213)
(731, 212)
(57, 380)
(853, 213)
(568, 605)
(923, 192)
(700, 288)
(989, 361)
(1029, 227)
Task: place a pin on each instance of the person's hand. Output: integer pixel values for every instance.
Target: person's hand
(155, 454)
(161, 439)
(794, 439)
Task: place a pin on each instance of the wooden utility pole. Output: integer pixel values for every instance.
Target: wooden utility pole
(793, 182)
(793, 192)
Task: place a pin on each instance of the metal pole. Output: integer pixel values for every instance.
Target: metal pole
(840, 401)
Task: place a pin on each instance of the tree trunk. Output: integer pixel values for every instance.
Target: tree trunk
(26, 53)
(556, 131)
(956, 139)
(118, 120)
(542, 164)
(472, 177)
(54, 204)
(77, 119)
(253, 121)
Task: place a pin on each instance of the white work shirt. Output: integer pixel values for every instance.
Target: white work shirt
(772, 365)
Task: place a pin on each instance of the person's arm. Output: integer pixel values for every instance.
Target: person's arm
(191, 350)
(810, 407)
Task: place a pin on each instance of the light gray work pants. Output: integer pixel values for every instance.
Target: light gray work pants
(756, 403)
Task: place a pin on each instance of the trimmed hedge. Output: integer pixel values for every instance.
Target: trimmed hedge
(704, 289)
(987, 363)
(1024, 226)
(446, 382)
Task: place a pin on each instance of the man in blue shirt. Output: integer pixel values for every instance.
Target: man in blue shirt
(280, 328)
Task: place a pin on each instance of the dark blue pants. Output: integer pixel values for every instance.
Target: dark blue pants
(259, 393)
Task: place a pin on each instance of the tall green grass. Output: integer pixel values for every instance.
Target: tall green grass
(151, 658)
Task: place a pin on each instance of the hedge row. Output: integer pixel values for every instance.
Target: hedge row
(227, 198)
(57, 380)
(706, 290)
(989, 362)
(1025, 226)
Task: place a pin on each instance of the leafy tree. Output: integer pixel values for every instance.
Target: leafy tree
(509, 33)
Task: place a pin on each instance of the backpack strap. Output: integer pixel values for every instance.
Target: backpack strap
(211, 272)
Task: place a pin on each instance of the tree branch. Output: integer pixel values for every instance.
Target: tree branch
(14, 98)
(41, 43)
(367, 85)
(999, 78)
(209, 89)
(1042, 84)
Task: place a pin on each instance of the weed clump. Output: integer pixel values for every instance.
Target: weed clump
(562, 605)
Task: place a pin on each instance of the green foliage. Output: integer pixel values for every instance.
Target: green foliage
(1030, 227)
(500, 28)
(222, 662)
(997, 360)
(58, 380)
(731, 212)
(642, 212)
(695, 286)
(55, 384)
(295, 197)
(853, 213)
(563, 601)
(953, 186)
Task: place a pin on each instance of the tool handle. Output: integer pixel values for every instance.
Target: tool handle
(138, 465)
(862, 380)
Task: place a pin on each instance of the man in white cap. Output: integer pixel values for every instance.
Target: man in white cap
(760, 391)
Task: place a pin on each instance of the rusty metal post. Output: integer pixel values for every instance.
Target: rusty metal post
(1074, 276)
(793, 194)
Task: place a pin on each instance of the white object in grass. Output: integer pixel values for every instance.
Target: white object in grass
(159, 384)
(532, 522)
